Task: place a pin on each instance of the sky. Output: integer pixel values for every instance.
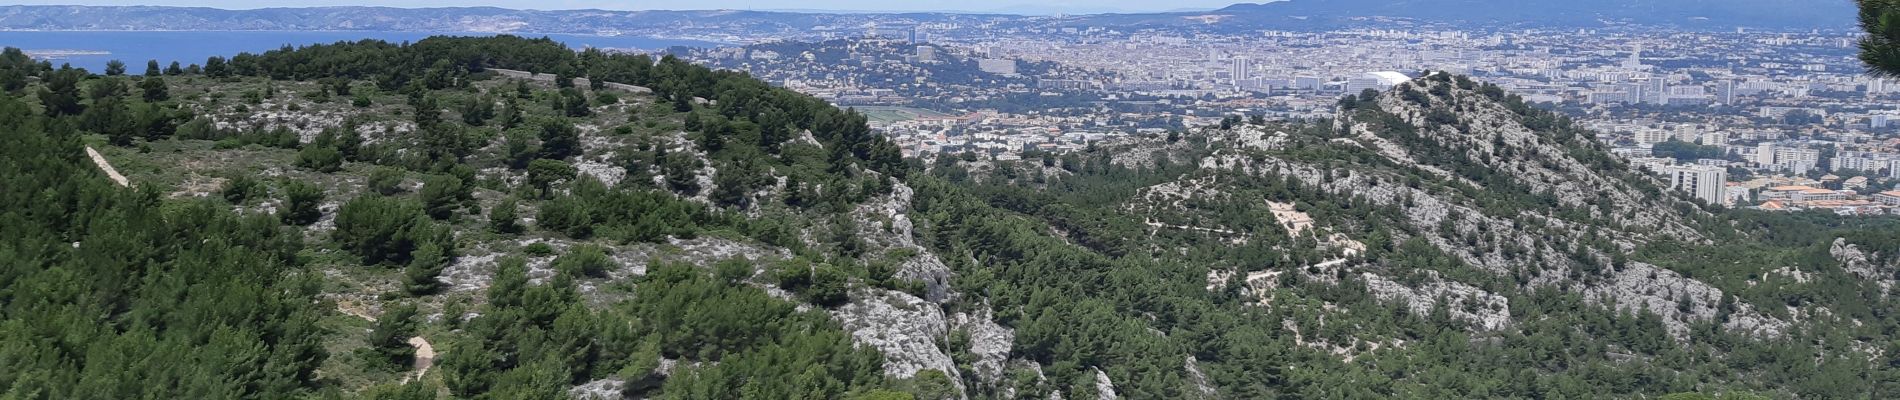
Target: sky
(1017, 6)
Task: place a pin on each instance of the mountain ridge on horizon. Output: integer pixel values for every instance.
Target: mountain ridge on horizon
(1290, 14)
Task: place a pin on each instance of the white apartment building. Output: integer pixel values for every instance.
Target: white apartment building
(1708, 183)
(1783, 158)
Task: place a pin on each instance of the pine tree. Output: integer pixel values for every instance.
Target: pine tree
(574, 104)
(59, 92)
(215, 67)
(154, 88)
(323, 159)
(518, 149)
(154, 121)
(585, 260)
(151, 68)
(568, 215)
(543, 173)
(559, 140)
(425, 264)
(511, 282)
(478, 110)
(467, 368)
(386, 181)
(389, 338)
(1880, 49)
(416, 390)
(301, 201)
(111, 117)
(441, 195)
(502, 218)
(238, 189)
(510, 115)
(692, 122)
(381, 229)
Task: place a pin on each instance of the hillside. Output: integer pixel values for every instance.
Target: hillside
(1442, 240)
(423, 191)
(505, 218)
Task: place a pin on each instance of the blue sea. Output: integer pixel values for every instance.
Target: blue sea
(193, 47)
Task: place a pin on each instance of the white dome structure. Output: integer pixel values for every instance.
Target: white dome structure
(1389, 78)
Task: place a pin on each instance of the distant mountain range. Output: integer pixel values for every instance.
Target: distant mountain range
(1295, 14)
(1705, 14)
(1767, 13)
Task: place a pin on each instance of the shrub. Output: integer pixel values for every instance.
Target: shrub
(503, 219)
(386, 181)
(544, 173)
(383, 229)
(819, 284)
(425, 264)
(585, 260)
(301, 201)
(538, 249)
(323, 159)
(441, 195)
(567, 215)
(238, 189)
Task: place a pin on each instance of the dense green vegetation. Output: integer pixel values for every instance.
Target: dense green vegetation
(115, 293)
(1089, 281)
(124, 293)
(441, 166)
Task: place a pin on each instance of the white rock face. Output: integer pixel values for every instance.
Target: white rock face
(1859, 264)
(1678, 300)
(608, 174)
(706, 250)
(470, 273)
(603, 389)
(923, 266)
(904, 327)
(989, 342)
(1009, 392)
(1202, 386)
(1484, 310)
(1104, 389)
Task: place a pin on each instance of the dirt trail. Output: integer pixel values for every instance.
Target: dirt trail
(425, 352)
(425, 358)
(100, 160)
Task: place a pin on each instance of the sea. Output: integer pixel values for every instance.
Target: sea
(93, 49)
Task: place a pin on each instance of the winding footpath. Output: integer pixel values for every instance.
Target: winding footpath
(425, 358)
(100, 160)
(425, 353)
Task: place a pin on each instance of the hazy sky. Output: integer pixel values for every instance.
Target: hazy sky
(1076, 6)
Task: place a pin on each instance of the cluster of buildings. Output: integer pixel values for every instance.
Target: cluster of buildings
(1844, 202)
(1738, 119)
(1709, 180)
(996, 135)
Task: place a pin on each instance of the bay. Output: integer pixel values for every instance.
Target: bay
(93, 49)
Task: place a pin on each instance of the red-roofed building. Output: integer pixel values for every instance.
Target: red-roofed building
(1800, 194)
(1891, 197)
